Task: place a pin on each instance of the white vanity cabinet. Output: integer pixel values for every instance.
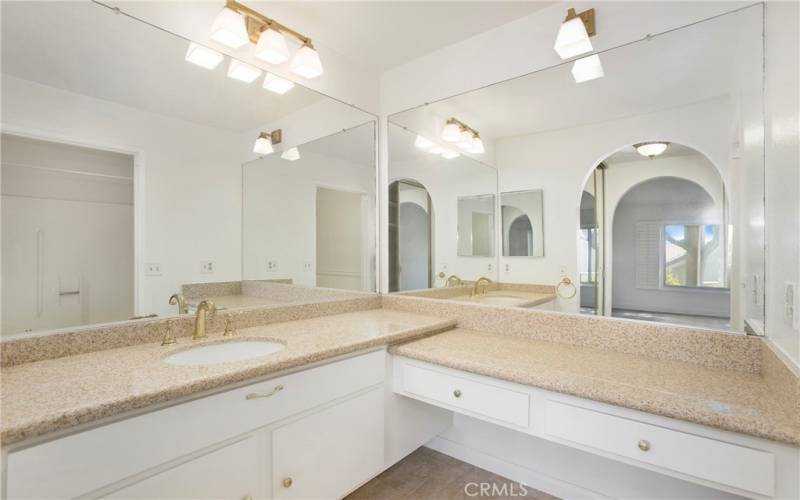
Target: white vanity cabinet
(223, 445)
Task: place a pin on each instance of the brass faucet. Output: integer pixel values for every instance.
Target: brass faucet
(454, 280)
(206, 306)
(477, 288)
(178, 299)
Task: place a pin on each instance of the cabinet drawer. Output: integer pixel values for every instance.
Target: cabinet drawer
(477, 397)
(84, 461)
(729, 464)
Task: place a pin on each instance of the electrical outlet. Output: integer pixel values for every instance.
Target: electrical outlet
(790, 304)
(508, 268)
(489, 267)
(272, 266)
(307, 266)
(207, 266)
(152, 269)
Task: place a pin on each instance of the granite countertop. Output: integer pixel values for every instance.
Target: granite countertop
(52, 395)
(524, 299)
(726, 399)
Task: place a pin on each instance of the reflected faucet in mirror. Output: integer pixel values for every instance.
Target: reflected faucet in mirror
(179, 300)
(204, 308)
(454, 280)
(480, 286)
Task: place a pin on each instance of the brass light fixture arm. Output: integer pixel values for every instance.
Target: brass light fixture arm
(587, 17)
(463, 126)
(261, 23)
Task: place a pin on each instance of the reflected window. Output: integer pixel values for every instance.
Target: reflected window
(693, 256)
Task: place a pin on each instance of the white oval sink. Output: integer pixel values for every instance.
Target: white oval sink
(499, 299)
(224, 352)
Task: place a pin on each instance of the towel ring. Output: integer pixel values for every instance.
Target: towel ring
(566, 282)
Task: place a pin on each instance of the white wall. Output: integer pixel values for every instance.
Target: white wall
(190, 176)
(783, 171)
(279, 214)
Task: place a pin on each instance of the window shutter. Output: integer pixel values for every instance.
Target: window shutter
(648, 237)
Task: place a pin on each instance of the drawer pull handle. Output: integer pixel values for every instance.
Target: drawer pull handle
(457, 393)
(644, 445)
(255, 395)
(287, 483)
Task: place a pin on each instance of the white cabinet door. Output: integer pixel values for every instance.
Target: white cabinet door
(236, 471)
(329, 453)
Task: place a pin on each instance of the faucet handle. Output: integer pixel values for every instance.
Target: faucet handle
(230, 331)
(169, 335)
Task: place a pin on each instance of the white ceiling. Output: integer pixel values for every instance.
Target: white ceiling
(87, 49)
(385, 34)
(704, 61)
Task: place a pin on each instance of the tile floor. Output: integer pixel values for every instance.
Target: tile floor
(430, 475)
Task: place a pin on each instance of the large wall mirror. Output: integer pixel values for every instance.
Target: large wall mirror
(632, 180)
(121, 187)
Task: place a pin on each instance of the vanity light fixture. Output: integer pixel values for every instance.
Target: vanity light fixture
(423, 143)
(291, 154)
(651, 149)
(265, 140)
(436, 150)
(203, 56)
(449, 154)
(269, 37)
(242, 72)
(573, 35)
(465, 137)
(229, 28)
(587, 68)
(276, 84)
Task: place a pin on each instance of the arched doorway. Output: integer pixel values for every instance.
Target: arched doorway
(655, 231)
(410, 241)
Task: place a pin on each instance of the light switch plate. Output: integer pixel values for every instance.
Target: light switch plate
(308, 266)
(207, 266)
(152, 269)
(272, 266)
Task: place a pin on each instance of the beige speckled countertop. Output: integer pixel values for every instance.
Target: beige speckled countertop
(51, 395)
(524, 299)
(726, 399)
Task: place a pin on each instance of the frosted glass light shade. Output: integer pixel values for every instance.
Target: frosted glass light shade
(306, 63)
(465, 142)
(229, 29)
(271, 47)
(242, 72)
(203, 56)
(572, 39)
(436, 150)
(477, 146)
(276, 84)
(423, 143)
(451, 132)
(587, 68)
(263, 145)
(448, 154)
(651, 149)
(291, 154)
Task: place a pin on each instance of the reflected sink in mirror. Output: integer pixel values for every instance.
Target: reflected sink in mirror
(224, 352)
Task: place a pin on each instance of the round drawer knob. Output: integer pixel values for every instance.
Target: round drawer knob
(287, 483)
(457, 393)
(644, 445)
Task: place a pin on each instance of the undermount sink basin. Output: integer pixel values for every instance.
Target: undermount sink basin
(498, 299)
(224, 352)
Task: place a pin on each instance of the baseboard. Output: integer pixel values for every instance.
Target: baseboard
(531, 478)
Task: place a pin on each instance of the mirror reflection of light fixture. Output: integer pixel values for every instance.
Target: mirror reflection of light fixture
(587, 68)
(465, 137)
(271, 47)
(203, 56)
(237, 24)
(451, 131)
(477, 145)
(651, 149)
(265, 140)
(450, 154)
(573, 34)
(291, 154)
(242, 72)
(276, 84)
(423, 143)
(229, 28)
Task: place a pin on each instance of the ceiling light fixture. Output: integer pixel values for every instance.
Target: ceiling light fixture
(292, 154)
(269, 36)
(587, 68)
(276, 84)
(651, 149)
(265, 141)
(573, 34)
(203, 56)
(465, 137)
(242, 72)
(229, 28)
